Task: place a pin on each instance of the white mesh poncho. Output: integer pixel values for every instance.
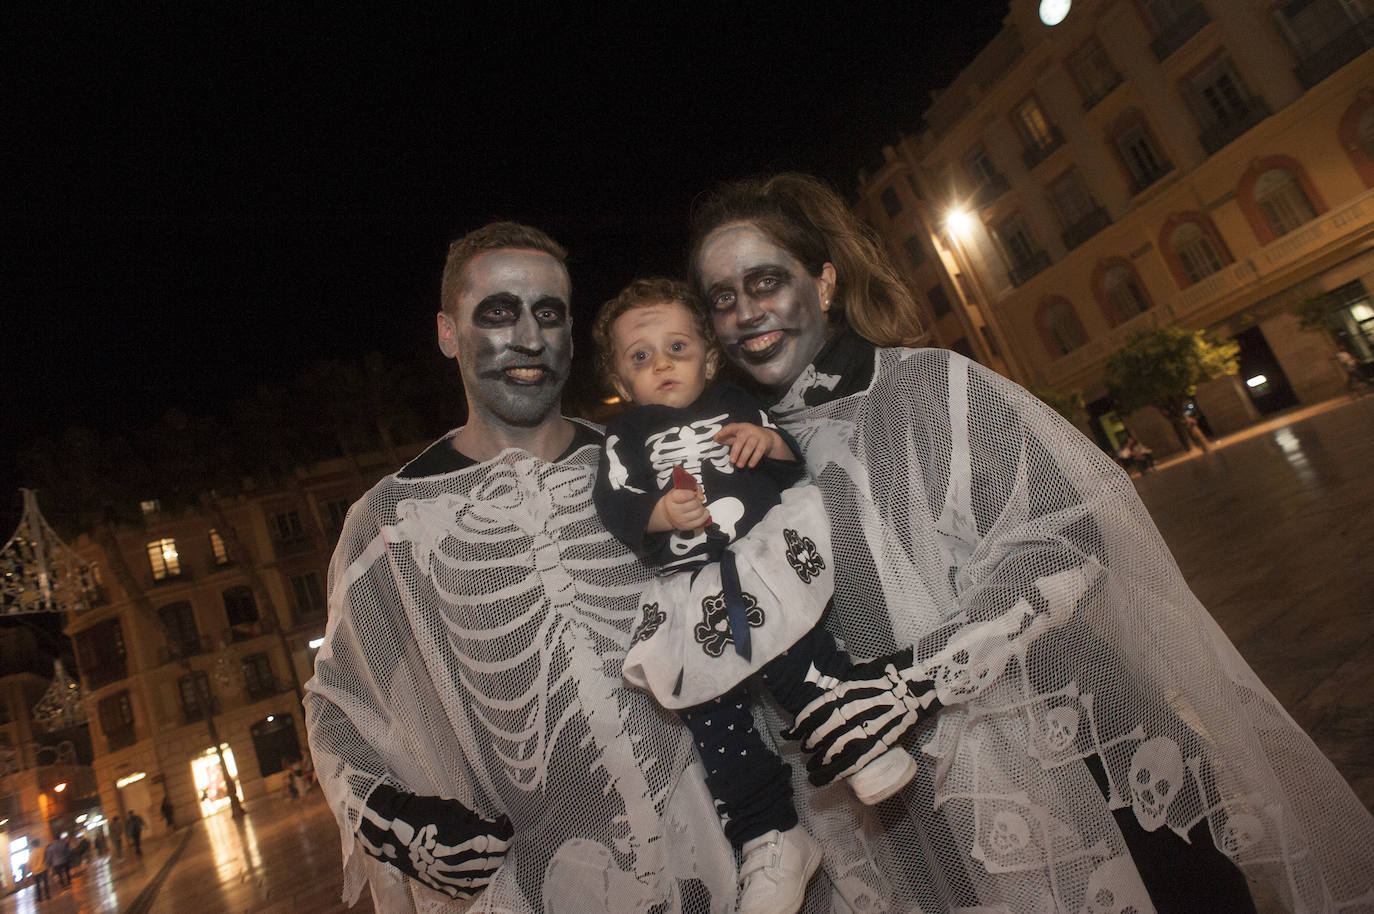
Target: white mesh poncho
(477, 623)
(970, 520)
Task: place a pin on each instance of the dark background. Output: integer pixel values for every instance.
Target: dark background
(201, 199)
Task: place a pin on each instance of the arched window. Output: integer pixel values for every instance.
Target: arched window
(1282, 200)
(1122, 295)
(1060, 327)
(1195, 252)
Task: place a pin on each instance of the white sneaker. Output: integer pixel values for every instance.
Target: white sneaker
(882, 777)
(777, 866)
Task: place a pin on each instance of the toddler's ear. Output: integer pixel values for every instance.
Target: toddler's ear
(621, 389)
(712, 363)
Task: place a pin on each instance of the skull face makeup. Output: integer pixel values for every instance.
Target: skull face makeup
(511, 333)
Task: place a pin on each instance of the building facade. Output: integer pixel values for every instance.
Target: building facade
(237, 597)
(1108, 166)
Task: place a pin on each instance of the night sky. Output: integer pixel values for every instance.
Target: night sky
(197, 200)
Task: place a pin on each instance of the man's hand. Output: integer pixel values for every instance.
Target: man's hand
(750, 443)
(863, 717)
(439, 842)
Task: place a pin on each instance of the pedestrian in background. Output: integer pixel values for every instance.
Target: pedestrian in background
(102, 846)
(57, 856)
(133, 827)
(38, 865)
(117, 837)
(168, 813)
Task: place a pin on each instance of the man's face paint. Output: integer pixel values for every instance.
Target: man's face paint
(511, 332)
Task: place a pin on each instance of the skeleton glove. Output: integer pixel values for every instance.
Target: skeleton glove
(864, 716)
(439, 842)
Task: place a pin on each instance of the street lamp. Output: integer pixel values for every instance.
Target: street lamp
(960, 224)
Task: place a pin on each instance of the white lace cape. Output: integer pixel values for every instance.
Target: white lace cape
(1018, 559)
(477, 624)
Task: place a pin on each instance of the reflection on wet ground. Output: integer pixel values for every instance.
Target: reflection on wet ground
(1275, 533)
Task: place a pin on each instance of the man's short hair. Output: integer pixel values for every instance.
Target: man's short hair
(641, 294)
(493, 236)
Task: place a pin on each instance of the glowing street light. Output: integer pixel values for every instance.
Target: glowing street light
(959, 221)
(58, 788)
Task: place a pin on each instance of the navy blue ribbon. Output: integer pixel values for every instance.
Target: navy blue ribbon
(735, 610)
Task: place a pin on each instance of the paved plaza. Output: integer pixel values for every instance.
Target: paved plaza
(1273, 531)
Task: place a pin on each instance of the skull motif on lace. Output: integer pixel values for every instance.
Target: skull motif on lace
(1008, 833)
(1061, 728)
(1115, 888)
(1156, 776)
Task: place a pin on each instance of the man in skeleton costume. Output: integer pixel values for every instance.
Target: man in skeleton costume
(1100, 745)
(467, 715)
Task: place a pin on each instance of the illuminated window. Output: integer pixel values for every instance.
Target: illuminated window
(1195, 252)
(1034, 126)
(162, 555)
(1282, 200)
(150, 506)
(217, 550)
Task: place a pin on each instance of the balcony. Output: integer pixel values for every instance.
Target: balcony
(986, 193)
(1218, 135)
(1085, 228)
(296, 545)
(1336, 53)
(1036, 153)
(1176, 34)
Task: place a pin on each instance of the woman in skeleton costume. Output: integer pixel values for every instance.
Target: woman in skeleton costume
(1097, 745)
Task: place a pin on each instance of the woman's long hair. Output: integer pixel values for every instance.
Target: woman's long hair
(811, 222)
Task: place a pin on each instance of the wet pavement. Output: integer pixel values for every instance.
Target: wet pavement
(1273, 531)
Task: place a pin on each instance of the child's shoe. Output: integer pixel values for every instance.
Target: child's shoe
(776, 868)
(884, 776)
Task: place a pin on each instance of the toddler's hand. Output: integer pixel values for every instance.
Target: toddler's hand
(685, 509)
(749, 443)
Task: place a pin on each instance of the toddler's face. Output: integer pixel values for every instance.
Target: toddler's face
(660, 358)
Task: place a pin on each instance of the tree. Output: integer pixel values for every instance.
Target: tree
(1068, 403)
(1163, 368)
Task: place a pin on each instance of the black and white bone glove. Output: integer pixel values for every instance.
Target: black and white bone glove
(439, 842)
(864, 716)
